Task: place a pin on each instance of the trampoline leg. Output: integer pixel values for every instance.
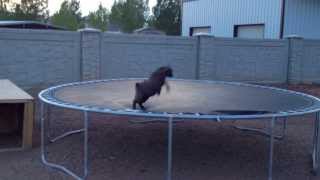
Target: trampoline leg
(144, 121)
(316, 143)
(85, 162)
(57, 166)
(169, 165)
(284, 128)
(43, 154)
(66, 134)
(52, 140)
(48, 113)
(270, 170)
(265, 133)
(151, 121)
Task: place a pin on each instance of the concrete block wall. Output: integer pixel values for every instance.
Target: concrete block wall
(310, 63)
(137, 56)
(243, 60)
(304, 56)
(39, 58)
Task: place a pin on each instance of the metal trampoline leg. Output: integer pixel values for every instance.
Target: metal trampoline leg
(169, 165)
(43, 154)
(57, 166)
(316, 143)
(48, 113)
(144, 121)
(271, 128)
(66, 134)
(151, 121)
(264, 132)
(85, 162)
(52, 140)
(284, 128)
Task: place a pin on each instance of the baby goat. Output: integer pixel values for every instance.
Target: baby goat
(151, 86)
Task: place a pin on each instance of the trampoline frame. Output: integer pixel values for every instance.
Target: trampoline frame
(170, 118)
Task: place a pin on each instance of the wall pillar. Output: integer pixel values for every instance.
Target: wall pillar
(295, 55)
(90, 54)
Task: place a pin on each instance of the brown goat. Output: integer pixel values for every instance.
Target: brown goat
(150, 87)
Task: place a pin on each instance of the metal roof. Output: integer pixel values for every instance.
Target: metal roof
(28, 25)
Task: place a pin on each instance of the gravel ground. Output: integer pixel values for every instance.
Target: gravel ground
(203, 150)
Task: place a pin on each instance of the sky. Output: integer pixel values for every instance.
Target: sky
(88, 5)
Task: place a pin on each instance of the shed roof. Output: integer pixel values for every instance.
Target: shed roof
(28, 25)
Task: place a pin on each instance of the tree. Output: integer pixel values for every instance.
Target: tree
(99, 18)
(129, 14)
(3, 4)
(167, 16)
(4, 13)
(24, 10)
(31, 10)
(68, 16)
(116, 12)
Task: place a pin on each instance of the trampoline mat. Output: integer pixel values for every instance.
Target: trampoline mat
(186, 97)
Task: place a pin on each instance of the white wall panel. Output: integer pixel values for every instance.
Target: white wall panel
(302, 17)
(222, 15)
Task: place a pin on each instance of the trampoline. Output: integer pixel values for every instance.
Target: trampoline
(187, 100)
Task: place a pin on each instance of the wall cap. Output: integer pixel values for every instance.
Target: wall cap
(89, 30)
(293, 36)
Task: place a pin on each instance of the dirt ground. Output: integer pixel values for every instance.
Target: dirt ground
(203, 150)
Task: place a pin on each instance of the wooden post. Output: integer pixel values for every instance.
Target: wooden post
(28, 117)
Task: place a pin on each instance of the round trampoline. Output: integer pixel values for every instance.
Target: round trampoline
(188, 100)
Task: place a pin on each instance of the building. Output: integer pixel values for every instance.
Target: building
(270, 19)
(28, 25)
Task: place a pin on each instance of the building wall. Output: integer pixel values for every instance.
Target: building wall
(222, 15)
(302, 17)
(35, 58)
